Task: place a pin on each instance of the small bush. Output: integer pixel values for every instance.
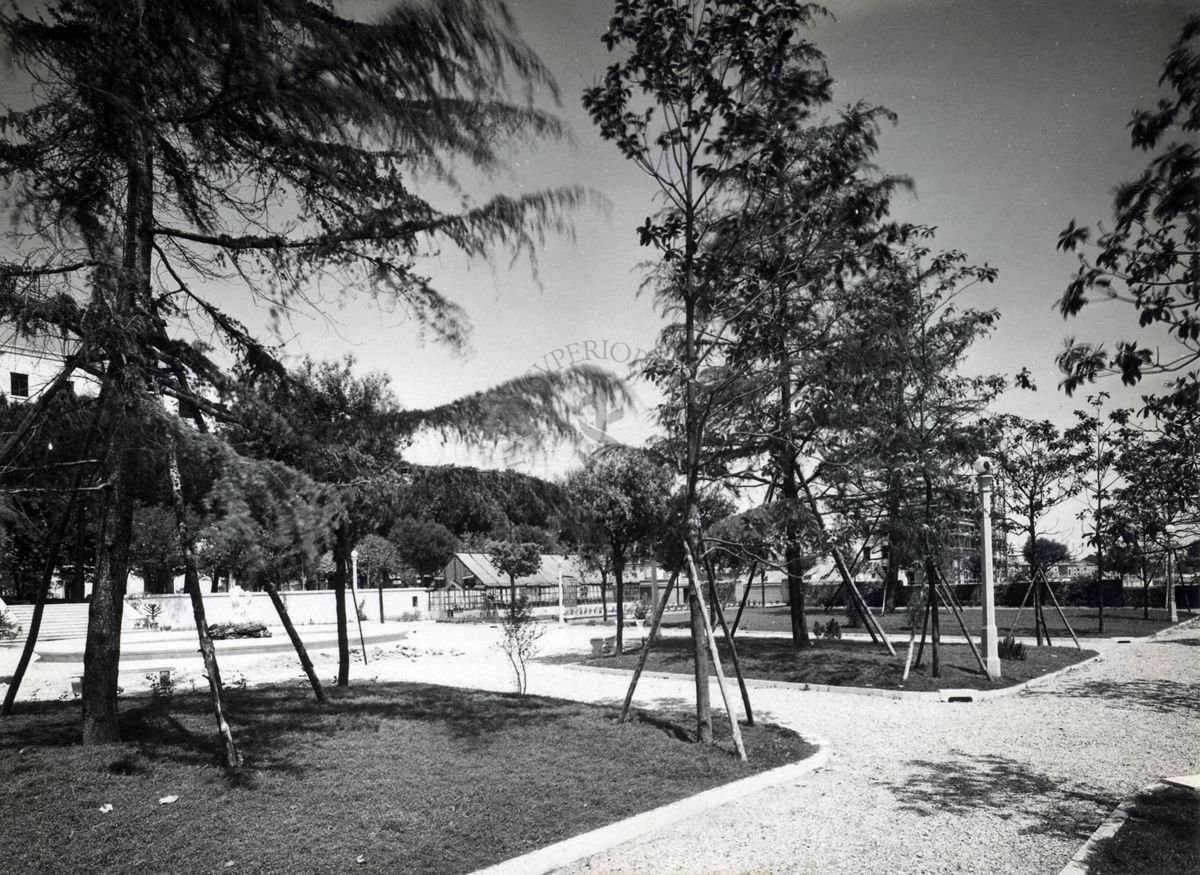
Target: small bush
(829, 630)
(1011, 649)
(9, 628)
(223, 631)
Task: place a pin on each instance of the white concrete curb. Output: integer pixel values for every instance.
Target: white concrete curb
(570, 850)
(1078, 864)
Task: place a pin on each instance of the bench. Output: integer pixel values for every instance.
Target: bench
(160, 673)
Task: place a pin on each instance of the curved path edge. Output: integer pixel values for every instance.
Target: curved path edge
(946, 695)
(596, 841)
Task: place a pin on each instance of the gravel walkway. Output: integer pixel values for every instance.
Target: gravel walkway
(1008, 785)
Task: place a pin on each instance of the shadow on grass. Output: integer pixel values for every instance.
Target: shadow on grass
(961, 785)
(1186, 642)
(1160, 696)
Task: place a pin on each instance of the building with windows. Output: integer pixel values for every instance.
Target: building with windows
(28, 366)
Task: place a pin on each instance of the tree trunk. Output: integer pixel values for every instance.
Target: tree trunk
(301, 651)
(341, 558)
(39, 607)
(619, 574)
(192, 587)
(102, 651)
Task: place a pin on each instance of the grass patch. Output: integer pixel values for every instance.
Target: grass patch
(853, 663)
(1118, 623)
(412, 778)
(1160, 837)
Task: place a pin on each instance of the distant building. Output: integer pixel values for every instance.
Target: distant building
(27, 367)
(476, 571)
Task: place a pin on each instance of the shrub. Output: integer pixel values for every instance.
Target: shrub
(9, 628)
(1011, 649)
(519, 642)
(829, 630)
(223, 631)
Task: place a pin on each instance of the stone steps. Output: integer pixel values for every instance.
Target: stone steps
(58, 621)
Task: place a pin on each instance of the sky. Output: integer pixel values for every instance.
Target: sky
(1012, 122)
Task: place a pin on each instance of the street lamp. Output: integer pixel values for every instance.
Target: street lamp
(562, 606)
(1172, 611)
(354, 594)
(983, 471)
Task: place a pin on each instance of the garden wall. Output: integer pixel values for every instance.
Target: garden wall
(305, 607)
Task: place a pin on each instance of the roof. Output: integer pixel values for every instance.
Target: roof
(481, 566)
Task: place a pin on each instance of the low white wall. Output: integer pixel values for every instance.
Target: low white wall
(304, 607)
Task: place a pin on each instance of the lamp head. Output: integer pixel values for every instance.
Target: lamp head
(983, 465)
(354, 553)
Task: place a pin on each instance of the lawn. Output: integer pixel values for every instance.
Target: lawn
(1120, 623)
(853, 663)
(409, 778)
(1160, 837)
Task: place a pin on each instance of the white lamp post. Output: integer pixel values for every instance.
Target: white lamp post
(562, 606)
(1172, 611)
(354, 594)
(983, 468)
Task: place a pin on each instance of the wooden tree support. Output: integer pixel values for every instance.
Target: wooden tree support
(659, 610)
(951, 601)
(860, 603)
(737, 618)
(737, 666)
(1021, 609)
(698, 591)
(924, 624)
(301, 651)
(233, 759)
(1063, 617)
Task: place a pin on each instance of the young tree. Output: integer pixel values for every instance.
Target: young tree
(515, 559)
(1098, 441)
(171, 148)
(1147, 259)
(703, 89)
(622, 494)
(1040, 468)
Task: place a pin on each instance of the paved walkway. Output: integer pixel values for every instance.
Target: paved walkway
(1008, 785)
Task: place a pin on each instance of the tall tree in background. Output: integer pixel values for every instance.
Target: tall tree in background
(173, 149)
(622, 495)
(702, 88)
(1040, 470)
(1098, 440)
(1148, 258)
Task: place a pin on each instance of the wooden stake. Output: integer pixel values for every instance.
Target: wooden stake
(952, 603)
(1012, 629)
(281, 610)
(1063, 616)
(737, 618)
(645, 654)
(737, 666)
(698, 591)
(860, 603)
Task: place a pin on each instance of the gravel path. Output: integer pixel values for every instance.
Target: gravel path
(1009, 785)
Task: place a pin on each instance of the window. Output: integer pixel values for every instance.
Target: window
(19, 385)
(415, 602)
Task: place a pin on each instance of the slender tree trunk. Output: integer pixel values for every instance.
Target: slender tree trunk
(341, 559)
(619, 574)
(191, 585)
(301, 651)
(39, 607)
